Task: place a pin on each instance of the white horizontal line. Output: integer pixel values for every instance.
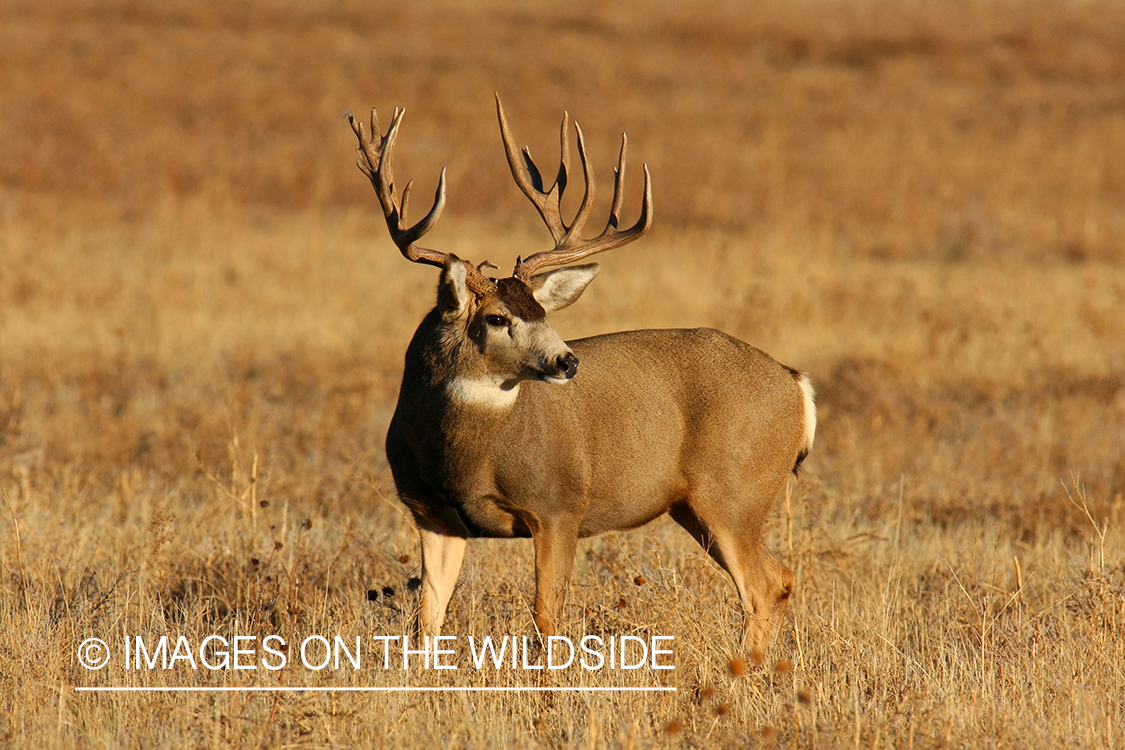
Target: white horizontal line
(404, 689)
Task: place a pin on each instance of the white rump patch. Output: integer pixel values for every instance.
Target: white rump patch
(490, 393)
(810, 411)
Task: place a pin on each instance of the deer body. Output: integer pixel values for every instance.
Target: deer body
(495, 433)
(609, 451)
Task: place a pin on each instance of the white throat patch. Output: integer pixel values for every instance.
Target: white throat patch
(489, 393)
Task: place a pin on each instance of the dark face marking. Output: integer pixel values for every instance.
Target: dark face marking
(518, 298)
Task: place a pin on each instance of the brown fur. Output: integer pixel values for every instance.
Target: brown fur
(517, 296)
(691, 422)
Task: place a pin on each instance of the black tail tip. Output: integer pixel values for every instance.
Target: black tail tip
(800, 459)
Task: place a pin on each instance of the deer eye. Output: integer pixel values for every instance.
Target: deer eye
(497, 321)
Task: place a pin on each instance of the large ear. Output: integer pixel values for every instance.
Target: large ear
(453, 295)
(563, 286)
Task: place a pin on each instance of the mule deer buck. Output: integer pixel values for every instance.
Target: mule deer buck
(497, 433)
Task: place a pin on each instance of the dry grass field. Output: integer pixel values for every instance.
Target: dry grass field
(202, 322)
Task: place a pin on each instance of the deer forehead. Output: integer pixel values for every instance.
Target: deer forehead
(515, 297)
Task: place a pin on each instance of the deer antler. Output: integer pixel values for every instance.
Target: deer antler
(375, 162)
(569, 245)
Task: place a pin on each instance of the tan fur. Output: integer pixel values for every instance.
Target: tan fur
(691, 422)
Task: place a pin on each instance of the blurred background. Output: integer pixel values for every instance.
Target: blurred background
(920, 204)
(901, 131)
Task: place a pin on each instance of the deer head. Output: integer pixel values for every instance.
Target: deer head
(494, 331)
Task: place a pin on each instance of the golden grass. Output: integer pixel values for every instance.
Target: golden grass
(919, 204)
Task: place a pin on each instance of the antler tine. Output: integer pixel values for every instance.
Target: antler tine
(531, 180)
(572, 232)
(376, 151)
(569, 245)
(618, 183)
(564, 153)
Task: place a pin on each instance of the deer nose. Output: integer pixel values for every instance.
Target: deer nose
(568, 365)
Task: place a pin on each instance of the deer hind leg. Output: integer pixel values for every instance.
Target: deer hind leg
(442, 555)
(555, 545)
(763, 582)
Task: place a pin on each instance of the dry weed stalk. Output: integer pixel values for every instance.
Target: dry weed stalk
(22, 583)
(1099, 530)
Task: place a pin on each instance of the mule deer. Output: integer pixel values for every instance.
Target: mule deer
(497, 434)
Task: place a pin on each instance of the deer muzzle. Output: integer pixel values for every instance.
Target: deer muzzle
(560, 370)
(568, 365)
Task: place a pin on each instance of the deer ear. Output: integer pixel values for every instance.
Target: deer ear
(453, 295)
(563, 286)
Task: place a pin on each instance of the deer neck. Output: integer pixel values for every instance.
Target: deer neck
(450, 418)
(440, 383)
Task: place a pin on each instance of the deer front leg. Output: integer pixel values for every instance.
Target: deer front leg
(555, 544)
(442, 555)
